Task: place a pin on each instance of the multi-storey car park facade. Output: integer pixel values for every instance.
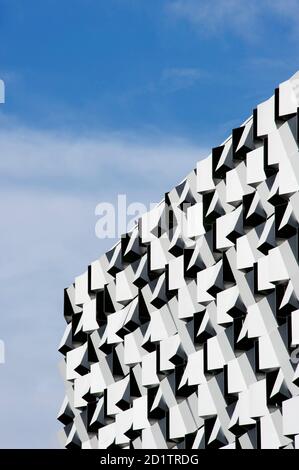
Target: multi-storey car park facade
(185, 333)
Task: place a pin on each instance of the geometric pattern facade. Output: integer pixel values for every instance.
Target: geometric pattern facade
(185, 333)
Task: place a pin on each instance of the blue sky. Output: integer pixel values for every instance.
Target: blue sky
(106, 97)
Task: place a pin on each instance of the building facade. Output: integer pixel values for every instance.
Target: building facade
(185, 334)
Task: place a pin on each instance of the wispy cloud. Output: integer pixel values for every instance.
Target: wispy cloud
(86, 163)
(179, 78)
(268, 63)
(169, 80)
(244, 19)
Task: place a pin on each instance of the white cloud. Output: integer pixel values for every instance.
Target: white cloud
(268, 63)
(178, 78)
(242, 18)
(49, 187)
(37, 156)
